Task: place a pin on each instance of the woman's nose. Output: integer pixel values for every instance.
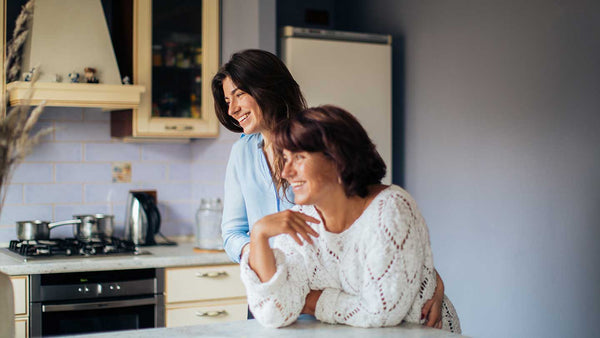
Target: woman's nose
(286, 173)
(233, 108)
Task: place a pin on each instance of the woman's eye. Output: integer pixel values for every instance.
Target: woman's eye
(239, 94)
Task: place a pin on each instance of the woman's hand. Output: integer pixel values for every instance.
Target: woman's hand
(288, 222)
(310, 304)
(432, 310)
(261, 258)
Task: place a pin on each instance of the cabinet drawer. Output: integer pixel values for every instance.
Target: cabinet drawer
(198, 314)
(20, 290)
(203, 283)
(21, 328)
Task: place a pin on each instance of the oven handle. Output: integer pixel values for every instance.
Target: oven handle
(98, 305)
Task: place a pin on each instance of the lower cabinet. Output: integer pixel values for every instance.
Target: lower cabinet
(204, 295)
(20, 288)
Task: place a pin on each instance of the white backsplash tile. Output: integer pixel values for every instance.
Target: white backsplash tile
(82, 131)
(33, 173)
(83, 172)
(53, 193)
(56, 152)
(116, 151)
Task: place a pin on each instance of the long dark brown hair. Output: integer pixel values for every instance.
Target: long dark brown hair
(264, 77)
(338, 135)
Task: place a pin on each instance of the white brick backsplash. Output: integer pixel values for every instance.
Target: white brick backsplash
(83, 172)
(56, 152)
(181, 211)
(33, 173)
(180, 172)
(53, 193)
(14, 194)
(174, 191)
(207, 190)
(166, 152)
(211, 151)
(148, 172)
(208, 172)
(112, 152)
(14, 213)
(107, 193)
(82, 131)
(69, 173)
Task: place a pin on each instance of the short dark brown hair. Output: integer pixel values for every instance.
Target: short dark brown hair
(266, 78)
(338, 135)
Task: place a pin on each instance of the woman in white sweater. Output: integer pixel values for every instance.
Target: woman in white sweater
(353, 251)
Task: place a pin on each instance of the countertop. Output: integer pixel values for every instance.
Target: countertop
(155, 257)
(301, 328)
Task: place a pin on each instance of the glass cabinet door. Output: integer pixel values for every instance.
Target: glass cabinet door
(176, 50)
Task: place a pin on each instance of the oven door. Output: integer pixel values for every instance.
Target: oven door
(61, 318)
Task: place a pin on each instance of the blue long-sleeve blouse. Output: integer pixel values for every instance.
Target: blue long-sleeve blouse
(250, 193)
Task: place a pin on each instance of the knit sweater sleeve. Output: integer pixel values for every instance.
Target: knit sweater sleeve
(391, 258)
(279, 301)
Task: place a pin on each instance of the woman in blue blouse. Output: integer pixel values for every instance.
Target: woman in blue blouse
(252, 93)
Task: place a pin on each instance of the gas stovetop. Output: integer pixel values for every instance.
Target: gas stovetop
(72, 247)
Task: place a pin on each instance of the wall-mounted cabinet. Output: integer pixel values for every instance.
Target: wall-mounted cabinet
(175, 54)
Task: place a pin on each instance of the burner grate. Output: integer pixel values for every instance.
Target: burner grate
(72, 247)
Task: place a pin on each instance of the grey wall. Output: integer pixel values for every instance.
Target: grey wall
(247, 24)
(501, 111)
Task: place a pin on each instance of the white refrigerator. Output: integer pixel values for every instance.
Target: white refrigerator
(350, 70)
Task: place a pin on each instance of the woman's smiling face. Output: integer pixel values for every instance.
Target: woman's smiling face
(312, 176)
(243, 107)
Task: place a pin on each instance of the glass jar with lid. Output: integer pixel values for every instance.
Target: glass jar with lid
(208, 224)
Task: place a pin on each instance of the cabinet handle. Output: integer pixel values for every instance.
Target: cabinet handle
(179, 127)
(211, 313)
(212, 274)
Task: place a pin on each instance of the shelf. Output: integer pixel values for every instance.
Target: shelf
(94, 95)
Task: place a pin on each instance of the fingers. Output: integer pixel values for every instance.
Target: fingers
(438, 325)
(426, 308)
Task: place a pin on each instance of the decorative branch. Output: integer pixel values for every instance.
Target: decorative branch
(17, 138)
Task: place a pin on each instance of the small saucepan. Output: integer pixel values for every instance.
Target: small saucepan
(88, 227)
(38, 230)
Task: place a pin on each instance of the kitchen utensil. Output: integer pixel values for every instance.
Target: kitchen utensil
(93, 226)
(38, 230)
(142, 220)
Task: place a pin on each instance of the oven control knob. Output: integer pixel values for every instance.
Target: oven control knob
(118, 287)
(80, 289)
(86, 289)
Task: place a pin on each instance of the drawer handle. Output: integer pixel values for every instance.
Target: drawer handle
(211, 313)
(213, 274)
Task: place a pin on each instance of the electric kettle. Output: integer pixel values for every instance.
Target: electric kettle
(142, 219)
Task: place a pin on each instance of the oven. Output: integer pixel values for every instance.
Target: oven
(99, 301)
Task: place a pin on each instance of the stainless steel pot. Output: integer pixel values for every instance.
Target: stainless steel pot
(88, 227)
(38, 230)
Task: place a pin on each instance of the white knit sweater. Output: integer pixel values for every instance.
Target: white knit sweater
(378, 272)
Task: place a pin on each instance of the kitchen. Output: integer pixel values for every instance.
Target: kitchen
(478, 155)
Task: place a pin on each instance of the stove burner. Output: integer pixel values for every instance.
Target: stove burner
(72, 247)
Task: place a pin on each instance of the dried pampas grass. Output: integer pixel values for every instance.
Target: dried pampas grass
(17, 138)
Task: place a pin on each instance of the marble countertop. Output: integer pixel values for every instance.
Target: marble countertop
(156, 257)
(301, 328)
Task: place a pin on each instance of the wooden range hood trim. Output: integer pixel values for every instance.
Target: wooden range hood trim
(95, 95)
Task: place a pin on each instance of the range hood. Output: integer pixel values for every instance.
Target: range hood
(66, 36)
